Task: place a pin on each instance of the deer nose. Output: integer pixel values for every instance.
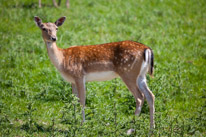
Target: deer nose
(54, 39)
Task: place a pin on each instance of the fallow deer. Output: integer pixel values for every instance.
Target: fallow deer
(129, 60)
(55, 4)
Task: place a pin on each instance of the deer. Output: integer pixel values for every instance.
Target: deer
(129, 60)
(55, 4)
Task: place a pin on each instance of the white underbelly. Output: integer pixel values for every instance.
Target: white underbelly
(100, 76)
(94, 76)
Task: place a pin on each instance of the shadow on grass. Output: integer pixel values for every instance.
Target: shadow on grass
(35, 127)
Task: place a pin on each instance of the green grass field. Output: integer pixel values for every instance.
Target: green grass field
(36, 101)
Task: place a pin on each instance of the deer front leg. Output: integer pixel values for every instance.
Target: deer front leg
(80, 86)
(74, 90)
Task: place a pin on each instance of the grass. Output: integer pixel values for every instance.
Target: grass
(36, 101)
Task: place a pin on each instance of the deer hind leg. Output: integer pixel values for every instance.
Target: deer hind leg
(80, 86)
(141, 82)
(139, 97)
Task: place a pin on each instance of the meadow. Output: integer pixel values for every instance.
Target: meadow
(36, 101)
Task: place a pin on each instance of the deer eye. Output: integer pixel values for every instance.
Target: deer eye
(44, 29)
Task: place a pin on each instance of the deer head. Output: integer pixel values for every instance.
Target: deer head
(49, 30)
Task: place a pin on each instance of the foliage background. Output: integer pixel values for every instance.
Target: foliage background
(35, 101)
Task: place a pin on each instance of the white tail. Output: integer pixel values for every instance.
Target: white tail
(128, 60)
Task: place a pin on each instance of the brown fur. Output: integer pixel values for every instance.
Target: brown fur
(126, 59)
(115, 56)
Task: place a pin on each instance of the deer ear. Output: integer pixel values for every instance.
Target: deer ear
(60, 21)
(37, 21)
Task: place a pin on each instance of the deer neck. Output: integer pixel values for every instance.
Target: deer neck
(55, 54)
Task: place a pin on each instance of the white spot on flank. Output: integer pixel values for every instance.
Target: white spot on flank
(133, 62)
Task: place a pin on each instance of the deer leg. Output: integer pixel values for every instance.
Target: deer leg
(39, 3)
(139, 97)
(55, 4)
(141, 82)
(80, 86)
(74, 90)
(67, 3)
(141, 102)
